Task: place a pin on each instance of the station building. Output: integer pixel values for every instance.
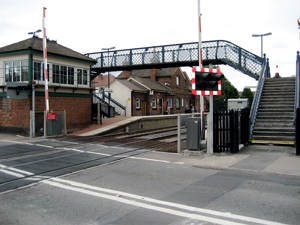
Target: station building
(69, 84)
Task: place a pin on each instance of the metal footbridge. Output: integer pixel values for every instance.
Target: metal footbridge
(178, 55)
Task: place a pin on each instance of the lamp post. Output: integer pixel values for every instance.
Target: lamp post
(34, 32)
(261, 38)
(108, 80)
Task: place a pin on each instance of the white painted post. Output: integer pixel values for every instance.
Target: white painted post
(178, 134)
(210, 127)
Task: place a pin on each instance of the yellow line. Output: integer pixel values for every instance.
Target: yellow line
(291, 142)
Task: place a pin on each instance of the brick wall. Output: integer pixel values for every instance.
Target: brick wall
(15, 113)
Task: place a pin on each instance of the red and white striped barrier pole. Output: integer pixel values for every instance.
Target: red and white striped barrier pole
(200, 58)
(45, 60)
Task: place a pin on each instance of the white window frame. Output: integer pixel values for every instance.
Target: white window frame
(138, 103)
(154, 103)
(177, 81)
(82, 76)
(15, 72)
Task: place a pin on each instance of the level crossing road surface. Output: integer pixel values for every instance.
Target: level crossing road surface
(127, 185)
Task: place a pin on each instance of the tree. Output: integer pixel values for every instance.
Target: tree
(228, 91)
(247, 93)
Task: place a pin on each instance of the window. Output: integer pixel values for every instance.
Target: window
(177, 103)
(55, 74)
(138, 103)
(82, 76)
(177, 81)
(16, 71)
(39, 71)
(169, 103)
(182, 102)
(154, 103)
(63, 74)
(70, 75)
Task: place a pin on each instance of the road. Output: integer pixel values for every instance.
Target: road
(145, 187)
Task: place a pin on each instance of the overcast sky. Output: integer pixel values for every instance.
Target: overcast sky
(87, 26)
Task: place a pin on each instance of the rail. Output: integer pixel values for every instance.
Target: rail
(121, 109)
(255, 104)
(185, 54)
(297, 86)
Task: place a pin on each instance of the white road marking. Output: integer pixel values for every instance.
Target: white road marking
(142, 205)
(155, 160)
(88, 189)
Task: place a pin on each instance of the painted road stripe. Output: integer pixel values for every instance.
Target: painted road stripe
(83, 187)
(142, 205)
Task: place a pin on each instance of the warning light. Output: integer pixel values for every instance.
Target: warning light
(298, 22)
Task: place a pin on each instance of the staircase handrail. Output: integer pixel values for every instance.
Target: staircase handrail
(256, 100)
(297, 86)
(102, 96)
(107, 112)
(115, 102)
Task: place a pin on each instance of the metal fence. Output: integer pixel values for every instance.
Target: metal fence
(230, 129)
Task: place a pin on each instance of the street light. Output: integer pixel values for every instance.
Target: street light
(108, 49)
(34, 32)
(261, 36)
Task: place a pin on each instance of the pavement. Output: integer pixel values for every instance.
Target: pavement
(272, 159)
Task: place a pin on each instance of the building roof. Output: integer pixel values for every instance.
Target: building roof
(102, 80)
(36, 43)
(146, 73)
(152, 84)
(133, 86)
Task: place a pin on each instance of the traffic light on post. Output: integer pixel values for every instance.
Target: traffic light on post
(207, 81)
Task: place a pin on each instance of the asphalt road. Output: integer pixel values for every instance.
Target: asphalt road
(144, 188)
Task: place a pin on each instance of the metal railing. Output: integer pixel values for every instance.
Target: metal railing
(186, 54)
(297, 85)
(118, 107)
(256, 101)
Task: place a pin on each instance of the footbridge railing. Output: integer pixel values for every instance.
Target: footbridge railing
(186, 54)
(265, 72)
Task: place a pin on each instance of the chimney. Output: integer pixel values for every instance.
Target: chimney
(126, 74)
(153, 73)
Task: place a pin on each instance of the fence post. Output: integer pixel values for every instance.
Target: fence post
(178, 134)
(65, 122)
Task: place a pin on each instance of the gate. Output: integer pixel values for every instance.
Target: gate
(226, 131)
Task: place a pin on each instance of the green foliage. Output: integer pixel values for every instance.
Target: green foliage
(228, 91)
(247, 93)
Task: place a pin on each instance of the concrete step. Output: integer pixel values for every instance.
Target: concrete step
(271, 105)
(275, 114)
(274, 133)
(276, 109)
(277, 129)
(272, 123)
(273, 138)
(280, 80)
(273, 142)
(274, 118)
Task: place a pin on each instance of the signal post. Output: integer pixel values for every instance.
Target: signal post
(207, 81)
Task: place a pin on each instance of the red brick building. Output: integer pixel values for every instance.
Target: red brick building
(69, 84)
(154, 91)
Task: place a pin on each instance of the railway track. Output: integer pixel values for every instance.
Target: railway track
(35, 161)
